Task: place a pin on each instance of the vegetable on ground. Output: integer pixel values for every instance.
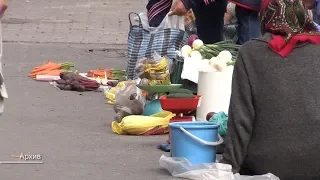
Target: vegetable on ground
(111, 73)
(50, 69)
(75, 82)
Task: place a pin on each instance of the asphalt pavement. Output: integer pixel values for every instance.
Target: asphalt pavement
(70, 130)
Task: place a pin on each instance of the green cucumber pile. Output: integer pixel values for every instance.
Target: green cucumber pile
(212, 50)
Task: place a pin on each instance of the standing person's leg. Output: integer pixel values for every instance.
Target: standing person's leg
(157, 10)
(210, 20)
(315, 11)
(248, 24)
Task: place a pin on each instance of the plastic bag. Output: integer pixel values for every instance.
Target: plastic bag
(191, 69)
(111, 94)
(182, 168)
(128, 101)
(169, 22)
(3, 89)
(268, 176)
(190, 23)
(221, 119)
(156, 69)
(144, 125)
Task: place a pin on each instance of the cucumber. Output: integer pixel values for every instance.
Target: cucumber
(180, 96)
(181, 91)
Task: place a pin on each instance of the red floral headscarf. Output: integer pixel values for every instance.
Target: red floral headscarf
(289, 22)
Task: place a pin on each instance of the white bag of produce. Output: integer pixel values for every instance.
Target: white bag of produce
(169, 22)
(215, 91)
(182, 168)
(191, 69)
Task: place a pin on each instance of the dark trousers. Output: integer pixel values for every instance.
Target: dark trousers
(210, 20)
(315, 12)
(248, 24)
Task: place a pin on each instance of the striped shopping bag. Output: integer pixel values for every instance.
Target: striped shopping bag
(142, 43)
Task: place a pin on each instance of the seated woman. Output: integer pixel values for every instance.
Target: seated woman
(274, 114)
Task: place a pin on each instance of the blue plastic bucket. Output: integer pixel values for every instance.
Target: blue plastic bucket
(195, 141)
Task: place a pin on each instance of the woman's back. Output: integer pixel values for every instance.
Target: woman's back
(285, 93)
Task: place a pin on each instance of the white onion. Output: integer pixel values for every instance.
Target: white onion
(197, 44)
(186, 51)
(225, 55)
(196, 56)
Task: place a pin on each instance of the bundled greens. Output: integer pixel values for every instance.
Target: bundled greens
(212, 50)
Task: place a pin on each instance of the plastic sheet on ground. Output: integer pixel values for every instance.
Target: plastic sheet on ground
(182, 168)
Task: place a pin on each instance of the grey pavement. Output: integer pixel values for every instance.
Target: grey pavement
(72, 21)
(70, 130)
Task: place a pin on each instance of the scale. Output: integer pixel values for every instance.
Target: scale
(154, 106)
(180, 106)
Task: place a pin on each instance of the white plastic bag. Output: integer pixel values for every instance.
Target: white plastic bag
(171, 22)
(3, 90)
(128, 101)
(182, 168)
(268, 176)
(191, 69)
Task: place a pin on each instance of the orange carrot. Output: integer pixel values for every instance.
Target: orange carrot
(46, 67)
(55, 72)
(99, 73)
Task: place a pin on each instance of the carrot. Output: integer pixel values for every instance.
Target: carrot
(55, 72)
(99, 73)
(50, 68)
(46, 67)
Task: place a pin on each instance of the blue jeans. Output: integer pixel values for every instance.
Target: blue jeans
(315, 11)
(248, 24)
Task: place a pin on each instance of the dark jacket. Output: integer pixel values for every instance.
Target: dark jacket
(274, 114)
(248, 4)
(189, 3)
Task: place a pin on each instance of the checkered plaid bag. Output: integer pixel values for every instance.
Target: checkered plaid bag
(142, 43)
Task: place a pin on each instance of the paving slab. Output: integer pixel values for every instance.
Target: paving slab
(70, 130)
(72, 21)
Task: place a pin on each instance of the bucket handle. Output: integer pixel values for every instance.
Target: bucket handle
(220, 139)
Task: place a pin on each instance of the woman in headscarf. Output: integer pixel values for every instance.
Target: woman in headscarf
(274, 115)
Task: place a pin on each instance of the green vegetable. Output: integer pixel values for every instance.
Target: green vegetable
(181, 91)
(180, 96)
(231, 63)
(118, 74)
(67, 66)
(212, 50)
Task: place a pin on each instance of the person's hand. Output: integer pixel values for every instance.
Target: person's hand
(178, 9)
(308, 4)
(3, 7)
(227, 17)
